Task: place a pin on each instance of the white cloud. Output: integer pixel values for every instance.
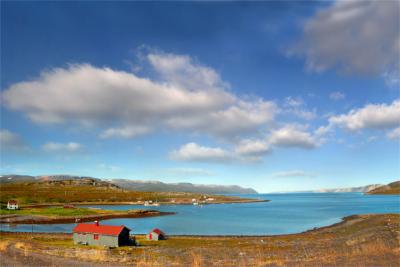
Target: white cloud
(394, 134)
(188, 97)
(245, 117)
(12, 141)
(62, 147)
(337, 95)
(247, 151)
(252, 150)
(293, 136)
(353, 36)
(372, 116)
(250, 147)
(294, 173)
(197, 153)
(305, 114)
(125, 132)
(183, 72)
(296, 107)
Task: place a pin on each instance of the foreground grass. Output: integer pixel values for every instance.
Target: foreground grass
(366, 240)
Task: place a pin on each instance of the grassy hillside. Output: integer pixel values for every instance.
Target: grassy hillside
(87, 190)
(390, 189)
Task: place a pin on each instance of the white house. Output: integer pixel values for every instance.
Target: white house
(156, 234)
(12, 205)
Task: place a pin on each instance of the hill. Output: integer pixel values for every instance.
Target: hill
(95, 191)
(135, 185)
(12, 178)
(390, 189)
(157, 186)
(361, 189)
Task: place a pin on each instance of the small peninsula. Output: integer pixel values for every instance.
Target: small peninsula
(52, 215)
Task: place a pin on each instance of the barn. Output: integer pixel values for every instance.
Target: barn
(95, 234)
(156, 234)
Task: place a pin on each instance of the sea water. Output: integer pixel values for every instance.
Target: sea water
(284, 214)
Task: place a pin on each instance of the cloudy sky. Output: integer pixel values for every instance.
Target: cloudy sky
(278, 96)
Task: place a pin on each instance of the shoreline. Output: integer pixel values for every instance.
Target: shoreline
(38, 219)
(357, 240)
(343, 221)
(238, 201)
(43, 219)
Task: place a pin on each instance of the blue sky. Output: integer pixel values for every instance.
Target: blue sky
(278, 96)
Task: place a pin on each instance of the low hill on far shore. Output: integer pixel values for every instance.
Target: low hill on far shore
(95, 191)
(157, 186)
(390, 189)
(134, 185)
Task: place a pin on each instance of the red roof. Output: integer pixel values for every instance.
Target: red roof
(157, 231)
(98, 229)
(12, 202)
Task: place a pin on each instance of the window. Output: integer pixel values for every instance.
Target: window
(96, 237)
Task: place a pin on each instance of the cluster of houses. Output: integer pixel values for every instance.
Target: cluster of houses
(151, 203)
(94, 234)
(203, 200)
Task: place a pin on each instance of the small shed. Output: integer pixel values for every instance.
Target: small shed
(156, 234)
(95, 234)
(12, 205)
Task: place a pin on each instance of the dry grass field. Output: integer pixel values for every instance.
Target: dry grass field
(365, 240)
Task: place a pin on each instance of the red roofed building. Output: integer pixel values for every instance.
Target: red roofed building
(12, 205)
(156, 234)
(101, 235)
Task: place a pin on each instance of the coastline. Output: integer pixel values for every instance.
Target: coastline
(358, 240)
(39, 219)
(152, 213)
(236, 201)
(54, 219)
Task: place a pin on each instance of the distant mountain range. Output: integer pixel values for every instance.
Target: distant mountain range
(362, 189)
(137, 185)
(157, 186)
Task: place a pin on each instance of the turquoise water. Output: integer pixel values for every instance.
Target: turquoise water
(286, 213)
